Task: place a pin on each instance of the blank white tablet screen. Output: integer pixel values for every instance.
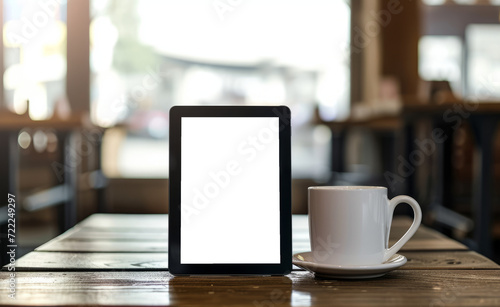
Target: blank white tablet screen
(230, 200)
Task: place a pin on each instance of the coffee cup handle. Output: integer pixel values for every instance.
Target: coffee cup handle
(413, 228)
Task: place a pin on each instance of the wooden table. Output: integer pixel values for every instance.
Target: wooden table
(113, 259)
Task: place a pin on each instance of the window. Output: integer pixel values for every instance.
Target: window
(483, 64)
(34, 38)
(461, 44)
(440, 58)
(149, 55)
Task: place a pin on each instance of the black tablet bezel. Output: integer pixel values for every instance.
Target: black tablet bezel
(174, 264)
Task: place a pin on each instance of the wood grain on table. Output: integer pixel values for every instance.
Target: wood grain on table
(123, 233)
(37, 261)
(113, 259)
(398, 288)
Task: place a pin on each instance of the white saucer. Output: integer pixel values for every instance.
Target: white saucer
(322, 270)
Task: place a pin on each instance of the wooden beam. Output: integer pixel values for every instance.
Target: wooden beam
(400, 37)
(78, 52)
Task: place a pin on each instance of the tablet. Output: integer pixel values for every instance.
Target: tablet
(230, 190)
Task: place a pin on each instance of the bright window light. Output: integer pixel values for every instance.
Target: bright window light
(34, 36)
(150, 55)
(440, 58)
(483, 65)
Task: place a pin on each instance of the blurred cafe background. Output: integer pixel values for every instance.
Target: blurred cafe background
(403, 94)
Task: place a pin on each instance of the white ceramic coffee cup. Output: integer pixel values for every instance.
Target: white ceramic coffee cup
(349, 225)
